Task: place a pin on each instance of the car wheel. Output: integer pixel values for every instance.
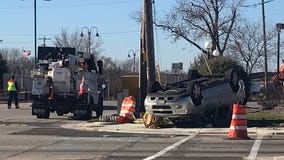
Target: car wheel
(233, 78)
(155, 87)
(243, 89)
(194, 91)
(193, 74)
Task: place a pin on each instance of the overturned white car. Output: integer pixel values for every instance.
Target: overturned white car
(200, 96)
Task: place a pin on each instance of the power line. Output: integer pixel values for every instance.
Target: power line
(44, 39)
(77, 5)
(104, 33)
(256, 4)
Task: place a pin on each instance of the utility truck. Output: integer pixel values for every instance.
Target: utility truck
(66, 81)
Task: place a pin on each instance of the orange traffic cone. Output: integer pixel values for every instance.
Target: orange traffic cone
(238, 127)
(82, 86)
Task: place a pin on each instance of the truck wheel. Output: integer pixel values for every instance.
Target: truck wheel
(99, 110)
(232, 77)
(76, 114)
(88, 114)
(44, 114)
(82, 114)
(194, 91)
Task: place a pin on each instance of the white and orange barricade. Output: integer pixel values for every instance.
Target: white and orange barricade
(238, 127)
(126, 114)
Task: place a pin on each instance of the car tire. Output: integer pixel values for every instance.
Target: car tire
(155, 87)
(193, 74)
(194, 91)
(232, 77)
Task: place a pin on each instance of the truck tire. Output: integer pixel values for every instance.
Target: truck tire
(76, 114)
(88, 114)
(194, 91)
(232, 77)
(99, 110)
(44, 114)
(82, 114)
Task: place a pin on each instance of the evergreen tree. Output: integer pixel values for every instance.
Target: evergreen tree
(217, 65)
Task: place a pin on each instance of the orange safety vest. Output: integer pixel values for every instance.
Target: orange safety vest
(128, 108)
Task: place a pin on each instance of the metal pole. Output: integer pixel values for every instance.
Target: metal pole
(134, 61)
(35, 33)
(264, 44)
(108, 85)
(89, 34)
(278, 52)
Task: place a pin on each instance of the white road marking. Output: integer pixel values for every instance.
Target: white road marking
(276, 158)
(255, 148)
(169, 148)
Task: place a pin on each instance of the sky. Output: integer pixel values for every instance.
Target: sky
(118, 31)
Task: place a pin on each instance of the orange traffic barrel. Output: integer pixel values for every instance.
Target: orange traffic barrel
(127, 109)
(238, 127)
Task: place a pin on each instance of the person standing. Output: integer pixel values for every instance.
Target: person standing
(13, 92)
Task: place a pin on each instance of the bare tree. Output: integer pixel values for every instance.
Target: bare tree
(246, 45)
(80, 43)
(127, 66)
(112, 73)
(16, 63)
(199, 20)
(12, 56)
(3, 69)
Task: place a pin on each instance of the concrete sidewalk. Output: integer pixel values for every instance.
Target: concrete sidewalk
(140, 128)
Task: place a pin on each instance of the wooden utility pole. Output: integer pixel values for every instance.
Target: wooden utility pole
(148, 13)
(143, 67)
(44, 39)
(147, 74)
(264, 45)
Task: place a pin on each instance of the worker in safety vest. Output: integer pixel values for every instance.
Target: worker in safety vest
(13, 93)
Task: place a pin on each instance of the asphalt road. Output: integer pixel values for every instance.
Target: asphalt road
(24, 137)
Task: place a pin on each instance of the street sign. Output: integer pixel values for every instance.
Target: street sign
(177, 67)
(280, 26)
